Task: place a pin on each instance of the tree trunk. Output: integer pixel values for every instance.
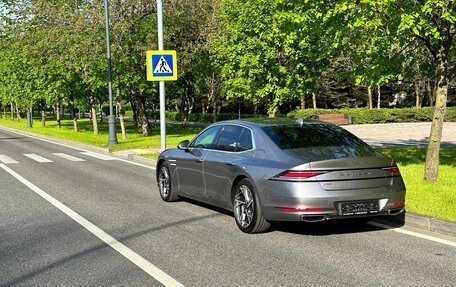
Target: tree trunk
(418, 97)
(30, 111)
(18, 113)
(433, 149)
(57, 113)
(133, 109)
(12, 111)
(314, 101)
(369, 95)
(273, 111)
(73, 116)
(141, 117)
(379, 99)
(431, 94)
(120, 115)
(215, 110)
(303, 102)
(93, 112)
(43, 113)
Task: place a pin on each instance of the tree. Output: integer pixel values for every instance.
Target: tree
(407, 27)
(431, 24)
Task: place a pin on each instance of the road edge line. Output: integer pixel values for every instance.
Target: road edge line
(411, 233)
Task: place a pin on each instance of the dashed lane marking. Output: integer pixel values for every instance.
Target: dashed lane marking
(68, 157)
(72, 147)
(135, 258)
(6, 159)
(37, 158)
(98, 156)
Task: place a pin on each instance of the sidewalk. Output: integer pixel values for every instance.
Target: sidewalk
(402, 134)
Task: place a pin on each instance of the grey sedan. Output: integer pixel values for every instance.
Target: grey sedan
(282, 170)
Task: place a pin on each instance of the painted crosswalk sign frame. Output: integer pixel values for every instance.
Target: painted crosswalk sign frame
(161, 65)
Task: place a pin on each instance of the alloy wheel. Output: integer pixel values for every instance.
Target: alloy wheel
(244, 206)
(163, 182)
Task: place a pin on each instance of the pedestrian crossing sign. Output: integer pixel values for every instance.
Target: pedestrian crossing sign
(161, 65)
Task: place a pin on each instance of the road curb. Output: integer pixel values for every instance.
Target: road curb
(423, 222)
(141, 159)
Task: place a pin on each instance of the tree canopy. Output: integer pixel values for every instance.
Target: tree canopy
(266, 56)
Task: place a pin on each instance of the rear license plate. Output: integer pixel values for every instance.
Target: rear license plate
(359, 208)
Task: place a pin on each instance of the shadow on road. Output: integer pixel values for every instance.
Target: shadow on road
(325, 228)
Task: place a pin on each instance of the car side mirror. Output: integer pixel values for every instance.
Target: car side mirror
(183, 145)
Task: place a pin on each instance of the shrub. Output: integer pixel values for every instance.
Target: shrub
(374, 116)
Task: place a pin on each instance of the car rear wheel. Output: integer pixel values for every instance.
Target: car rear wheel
(247, 210)
(164, 184)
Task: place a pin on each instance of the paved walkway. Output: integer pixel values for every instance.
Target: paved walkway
(408, 134)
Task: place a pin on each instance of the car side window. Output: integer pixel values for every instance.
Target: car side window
(245, 141)
(229, 138)
(206, 139)
(234, 139)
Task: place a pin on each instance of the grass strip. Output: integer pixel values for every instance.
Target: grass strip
(433, 199)
(135, 139)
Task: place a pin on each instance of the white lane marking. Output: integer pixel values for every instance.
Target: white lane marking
(6, 159)
(135, 258)
(68, 146)
(37, 158)
(68, 157)
(98, 155)
(416, 234)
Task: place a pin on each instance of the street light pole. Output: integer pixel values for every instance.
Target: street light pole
(112, 138)
(161, 83)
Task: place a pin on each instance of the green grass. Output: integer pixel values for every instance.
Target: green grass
(135, 139)
(434, 199)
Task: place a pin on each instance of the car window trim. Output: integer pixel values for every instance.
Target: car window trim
(218, 136)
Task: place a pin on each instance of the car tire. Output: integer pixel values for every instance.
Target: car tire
(164, 184)
(247, 210)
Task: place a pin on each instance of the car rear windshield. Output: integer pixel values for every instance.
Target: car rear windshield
(318, 141)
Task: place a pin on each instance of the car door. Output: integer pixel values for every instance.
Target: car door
(190, 164)
(221, 165)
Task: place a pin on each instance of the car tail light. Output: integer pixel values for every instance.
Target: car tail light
(399, 203)
(297, 175)
(393, 169)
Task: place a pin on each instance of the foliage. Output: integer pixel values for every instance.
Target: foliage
(376, 116)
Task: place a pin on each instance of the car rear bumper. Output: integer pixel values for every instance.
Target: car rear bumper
(284, 201)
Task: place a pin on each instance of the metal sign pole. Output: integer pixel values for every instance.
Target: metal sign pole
(162, 83)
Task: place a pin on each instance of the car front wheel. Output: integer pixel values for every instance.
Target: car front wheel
(164, 184)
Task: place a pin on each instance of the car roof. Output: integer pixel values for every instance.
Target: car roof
(264, 122)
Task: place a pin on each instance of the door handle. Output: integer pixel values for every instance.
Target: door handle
(199, 160)
(229, 163)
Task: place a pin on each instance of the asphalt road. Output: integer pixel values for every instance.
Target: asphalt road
(85, 220)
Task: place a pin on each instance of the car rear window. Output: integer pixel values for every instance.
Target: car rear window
(318, 141)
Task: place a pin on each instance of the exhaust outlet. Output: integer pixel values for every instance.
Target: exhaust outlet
(317, 218)
(395, 211)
